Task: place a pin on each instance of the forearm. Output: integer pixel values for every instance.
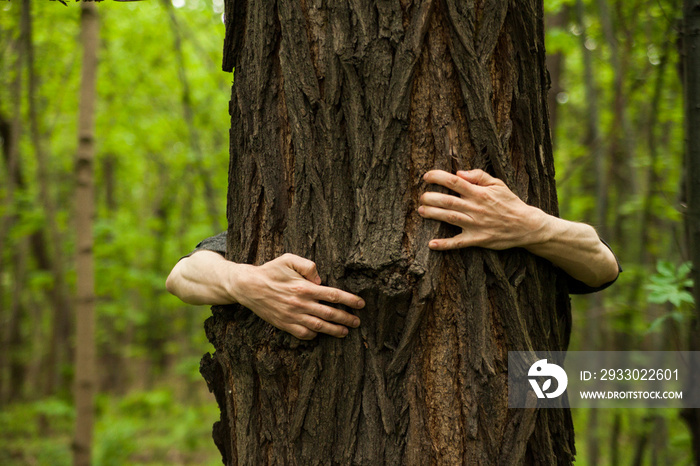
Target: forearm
(205, 277)
(575, 248)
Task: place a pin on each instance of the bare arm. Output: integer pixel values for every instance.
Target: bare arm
(492, 216)
(284, 292)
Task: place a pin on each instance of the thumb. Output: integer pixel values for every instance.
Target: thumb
(305, 268)
(477, 177)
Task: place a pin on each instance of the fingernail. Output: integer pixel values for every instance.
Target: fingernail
(361, 302)
(433, 244)
(420, 210)
(344, 332)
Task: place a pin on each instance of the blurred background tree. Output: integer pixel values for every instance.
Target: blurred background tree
(161, 156)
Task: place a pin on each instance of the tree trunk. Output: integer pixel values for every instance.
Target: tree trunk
(555, 66)
(85, 371)
(336, 112)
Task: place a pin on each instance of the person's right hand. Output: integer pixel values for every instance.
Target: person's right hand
(286, 292)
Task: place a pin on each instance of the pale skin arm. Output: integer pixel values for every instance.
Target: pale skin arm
(493, 217)
(284, 292)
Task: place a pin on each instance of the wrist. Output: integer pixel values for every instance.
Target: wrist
(237, 279)
(541, 228)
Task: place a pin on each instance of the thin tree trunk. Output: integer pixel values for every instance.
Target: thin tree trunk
(85, 370)
(337, 110)
(614, 438)
(7, 200)
(641, 442)
(621, 175)
(691, 81)
(648, 224)
(593, 141)
(593, 137)
(555, 66)
(593, 438)
(659, 442)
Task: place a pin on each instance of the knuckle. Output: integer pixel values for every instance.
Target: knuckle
(334, 296)
(297, 289)
(452, 218)
(317, 325)
(452, 202)
(482, 195)
(305, 334)
(294, 304)
(328, 313)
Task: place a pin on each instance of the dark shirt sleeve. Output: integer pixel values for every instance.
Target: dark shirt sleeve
(215, 243)
(578, 287)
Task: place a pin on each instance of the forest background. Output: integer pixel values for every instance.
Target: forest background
(161, 161)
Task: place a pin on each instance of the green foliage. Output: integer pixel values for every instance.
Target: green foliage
(153, 428)
(149, 427)
(671, 284)
(151, 210)
(667, 439)
(36, 433)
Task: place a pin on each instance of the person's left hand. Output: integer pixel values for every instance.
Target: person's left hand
(489, 214)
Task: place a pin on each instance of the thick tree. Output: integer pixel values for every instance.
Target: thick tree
(337, 110)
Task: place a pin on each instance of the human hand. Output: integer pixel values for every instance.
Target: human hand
(488, 212)
(286, 292)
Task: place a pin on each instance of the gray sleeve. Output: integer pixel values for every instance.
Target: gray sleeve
(215, 243)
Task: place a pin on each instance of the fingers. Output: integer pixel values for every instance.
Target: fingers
(331, 314)
(304, 267)
(301, 332)
(444, 215)
(317, 325)
(321, 318)
(444, 201)
(336, 296)
(478, 177)
(444, 244)
(449, 181)
(314, 318)
(291, 303)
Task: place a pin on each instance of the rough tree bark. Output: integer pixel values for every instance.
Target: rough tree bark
(336, 112)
